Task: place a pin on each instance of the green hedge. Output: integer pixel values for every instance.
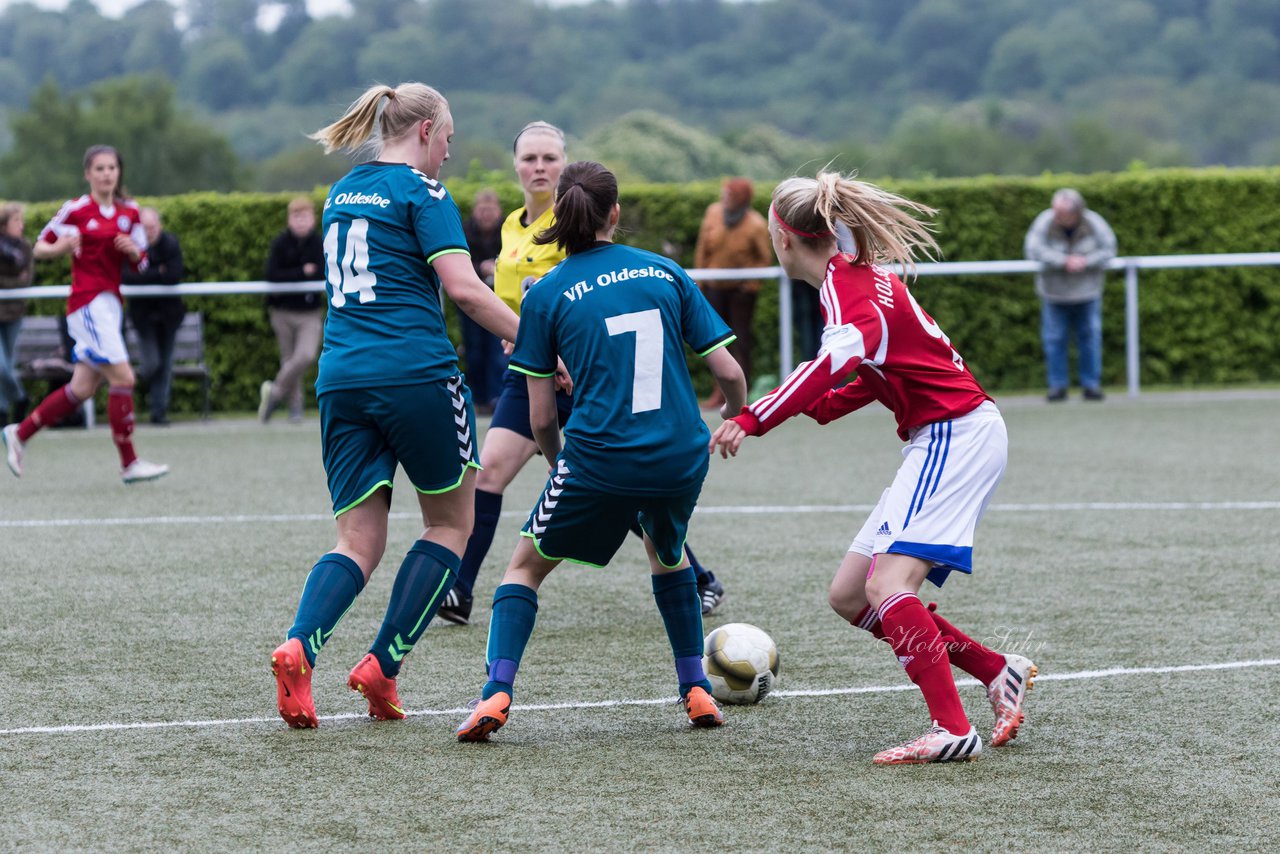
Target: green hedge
(225, 238)
(1198, 327)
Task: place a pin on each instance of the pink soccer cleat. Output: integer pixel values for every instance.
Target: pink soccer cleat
(293, 685)
(366, 677)
(936, 745)
(1007, 694)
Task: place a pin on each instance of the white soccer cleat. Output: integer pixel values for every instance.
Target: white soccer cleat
(13, 448)
(140, 470)
(1007, 694)
(936, 745)
(264, 401)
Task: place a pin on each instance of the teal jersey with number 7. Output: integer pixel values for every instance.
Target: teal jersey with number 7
(384, 223)
(619, 318)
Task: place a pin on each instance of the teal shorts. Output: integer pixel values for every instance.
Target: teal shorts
(429, 429)
(584, 525)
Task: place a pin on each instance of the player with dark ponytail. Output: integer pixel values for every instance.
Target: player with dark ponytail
(634, 446)
(586, 195)
(539, 159)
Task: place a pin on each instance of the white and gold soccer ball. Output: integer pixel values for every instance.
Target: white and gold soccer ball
(741, 663)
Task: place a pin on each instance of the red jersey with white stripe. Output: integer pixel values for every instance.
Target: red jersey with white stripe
(873, 326)
(96, 265)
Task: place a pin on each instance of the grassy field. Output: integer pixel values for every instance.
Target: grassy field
(1131, 552)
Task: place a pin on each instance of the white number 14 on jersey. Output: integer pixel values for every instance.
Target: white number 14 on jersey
(353, 276)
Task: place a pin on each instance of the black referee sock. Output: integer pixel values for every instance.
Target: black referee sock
(488, 512)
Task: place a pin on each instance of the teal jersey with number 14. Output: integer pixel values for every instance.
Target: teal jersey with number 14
(619, 318)
(384, 223)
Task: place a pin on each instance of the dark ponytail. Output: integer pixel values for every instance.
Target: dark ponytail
(585, 195)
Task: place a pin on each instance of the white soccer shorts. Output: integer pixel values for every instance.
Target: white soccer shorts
(97, 331)
(949, 472)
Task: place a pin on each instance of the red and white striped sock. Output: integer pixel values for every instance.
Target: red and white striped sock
(869, 620)
(56, 406)
(980, 662)
(910, 630)
(120, 414)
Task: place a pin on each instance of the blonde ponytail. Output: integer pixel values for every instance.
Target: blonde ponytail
(884, 226)
(407, 104)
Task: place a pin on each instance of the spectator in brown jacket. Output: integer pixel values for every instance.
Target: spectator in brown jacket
(733, 235)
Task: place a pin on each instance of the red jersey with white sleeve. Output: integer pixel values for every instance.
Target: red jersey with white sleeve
(873, 326)
(96, 265)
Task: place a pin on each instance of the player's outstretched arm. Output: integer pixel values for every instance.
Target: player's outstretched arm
(728, 438)
(473, 297)
(544, 416)
(731, 379)
(841, 401)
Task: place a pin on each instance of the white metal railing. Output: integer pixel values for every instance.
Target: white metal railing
(1130, 266)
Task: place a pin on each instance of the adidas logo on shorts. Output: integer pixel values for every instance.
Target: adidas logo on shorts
(884, 530)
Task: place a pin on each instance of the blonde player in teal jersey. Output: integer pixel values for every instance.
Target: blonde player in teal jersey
(634, 446)
(389, 389)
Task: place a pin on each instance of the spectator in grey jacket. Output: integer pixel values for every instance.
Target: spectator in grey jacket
(1074, 245)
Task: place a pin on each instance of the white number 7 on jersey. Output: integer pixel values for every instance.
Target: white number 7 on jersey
(353, 277)
(646, 390)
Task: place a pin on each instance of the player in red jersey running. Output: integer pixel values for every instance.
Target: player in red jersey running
(957, 447)
(102, 231)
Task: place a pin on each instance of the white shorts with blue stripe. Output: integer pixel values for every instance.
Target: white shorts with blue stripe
(949, 472)
(97, 330)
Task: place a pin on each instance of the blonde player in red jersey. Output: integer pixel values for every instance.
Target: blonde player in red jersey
(102, 231)
(922, 527)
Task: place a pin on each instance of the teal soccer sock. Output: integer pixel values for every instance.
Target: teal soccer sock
(677, 596)
(515, 608)
(426, 575)
(332, 586)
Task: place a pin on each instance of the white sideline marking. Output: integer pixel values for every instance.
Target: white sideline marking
(608, 704)
(1006, 508)
(713, 510)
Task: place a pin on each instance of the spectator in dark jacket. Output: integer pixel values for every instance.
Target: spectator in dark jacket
(156, 319)
(483, 349)
(297, 255)
(15, 272)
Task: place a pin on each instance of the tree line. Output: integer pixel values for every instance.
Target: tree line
(665, 90)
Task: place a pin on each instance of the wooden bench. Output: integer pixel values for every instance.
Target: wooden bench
(41, 353)
(188, 354)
